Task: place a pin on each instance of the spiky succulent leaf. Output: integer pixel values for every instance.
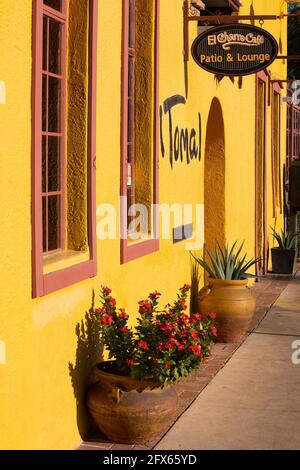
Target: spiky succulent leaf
(227, 263)
(203, 265)
(285, 239)
(217, 266)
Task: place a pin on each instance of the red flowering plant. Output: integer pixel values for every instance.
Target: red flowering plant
(165, 346)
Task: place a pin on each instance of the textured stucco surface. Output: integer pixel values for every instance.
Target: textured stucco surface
(144, 93)
(41, 406)
(77, 115)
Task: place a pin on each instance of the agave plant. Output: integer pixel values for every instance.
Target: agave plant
(286, 240)
(228, 263)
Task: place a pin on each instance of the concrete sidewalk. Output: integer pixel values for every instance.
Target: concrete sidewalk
(254, 401)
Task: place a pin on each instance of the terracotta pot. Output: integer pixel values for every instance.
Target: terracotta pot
(128, 410)
(234, 305)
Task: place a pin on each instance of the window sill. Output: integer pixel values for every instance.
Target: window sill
(61, 270)
(142, 238)
(132, 251)
(66, 259)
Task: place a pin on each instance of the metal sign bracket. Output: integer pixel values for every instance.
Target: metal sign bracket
(192, 12)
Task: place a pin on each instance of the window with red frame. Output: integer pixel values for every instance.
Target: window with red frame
(139, 153)
(58, 233)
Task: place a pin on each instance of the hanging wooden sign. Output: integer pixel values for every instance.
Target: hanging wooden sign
(235, 49)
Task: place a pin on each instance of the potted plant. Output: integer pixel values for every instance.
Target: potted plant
(284, 256)
(227, 291)
(134, 400)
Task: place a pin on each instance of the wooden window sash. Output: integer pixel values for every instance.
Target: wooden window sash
(60, 195)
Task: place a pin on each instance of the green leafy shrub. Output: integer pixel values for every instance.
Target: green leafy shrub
(165, 346)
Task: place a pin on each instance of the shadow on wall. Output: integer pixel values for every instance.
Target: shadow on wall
(88, 353)
(252, 13)
(195, 281)
(214, 179)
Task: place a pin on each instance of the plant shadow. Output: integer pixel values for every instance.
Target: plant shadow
(89, 352)
(195, 281)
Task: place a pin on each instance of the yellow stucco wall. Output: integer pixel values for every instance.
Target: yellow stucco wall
(37, 405)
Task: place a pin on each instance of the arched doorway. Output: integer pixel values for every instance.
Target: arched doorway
(214, 178)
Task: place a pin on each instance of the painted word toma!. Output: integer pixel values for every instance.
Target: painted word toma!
(228, 40)
(184, 144)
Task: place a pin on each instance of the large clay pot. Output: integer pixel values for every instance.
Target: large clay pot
(128, 410)
(234, 305)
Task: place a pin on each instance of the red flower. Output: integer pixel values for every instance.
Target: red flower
(124, 329)
(154, 295)
(174, 342)
(168, 365)
(212, 315)
(106, 290)
(183, 333)
(123, 314)
(196, 350)
(184, 319)
(195, 335)
(143, 345)
(129, 362)
(197, 317)
(107, 320)
(214, 331)
(100, 311)
(111, 301)
(167, 327)
(182, 304)
(185, 288)
(145, 306)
